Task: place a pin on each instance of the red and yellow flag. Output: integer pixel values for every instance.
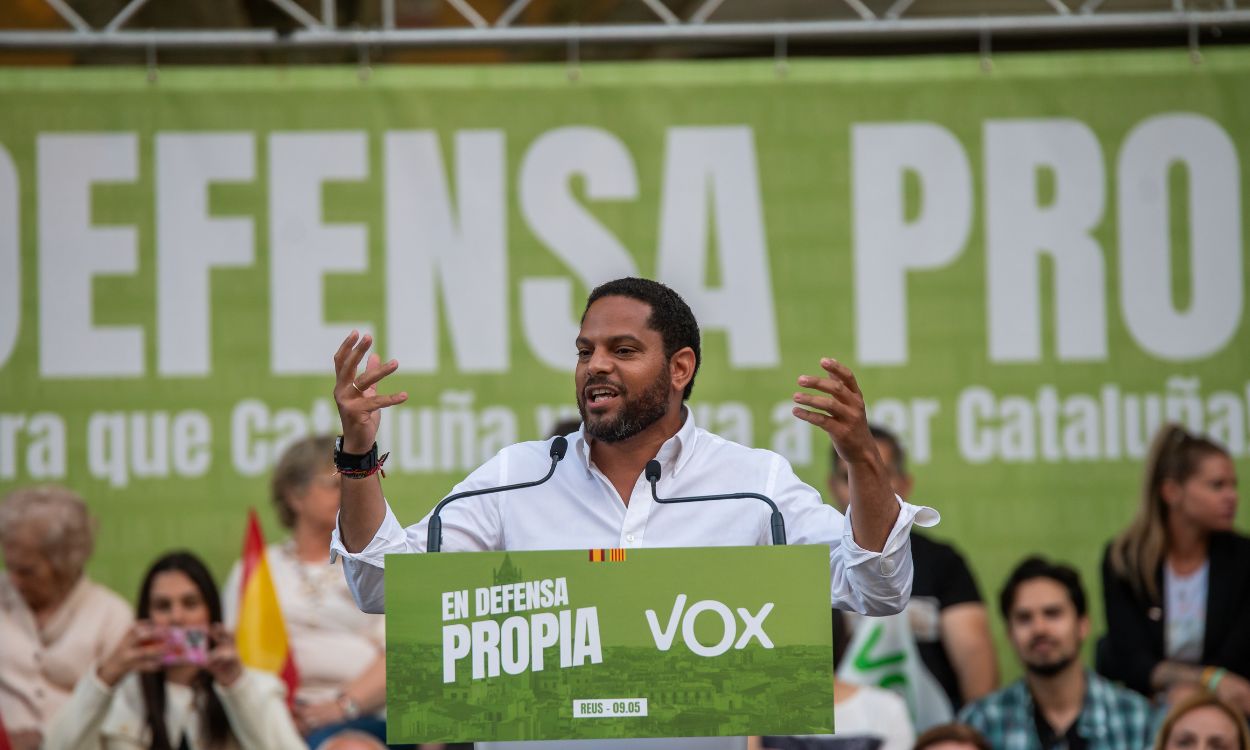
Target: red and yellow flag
(261, 634)
(4, 737)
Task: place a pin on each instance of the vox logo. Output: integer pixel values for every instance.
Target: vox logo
(752, 626)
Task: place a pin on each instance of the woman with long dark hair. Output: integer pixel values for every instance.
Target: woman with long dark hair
(175, 681)
(1176, 582)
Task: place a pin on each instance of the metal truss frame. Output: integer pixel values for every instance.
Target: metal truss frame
(1054, 18)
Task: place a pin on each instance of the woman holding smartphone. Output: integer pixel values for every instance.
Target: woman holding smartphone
(175, 681)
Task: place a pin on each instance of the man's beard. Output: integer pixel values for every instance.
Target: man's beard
(635, 415)
(1051, 668)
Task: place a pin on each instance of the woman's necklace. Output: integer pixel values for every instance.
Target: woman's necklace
(315, 580)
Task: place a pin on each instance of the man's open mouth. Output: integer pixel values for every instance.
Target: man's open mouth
(601, 395)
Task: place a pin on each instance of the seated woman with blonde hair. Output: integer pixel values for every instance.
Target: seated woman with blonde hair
(951, 736)
(340, 652)
(1203, 722)
(1176, 582)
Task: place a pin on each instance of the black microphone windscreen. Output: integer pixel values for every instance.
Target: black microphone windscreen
(559, 447)
(653, 471)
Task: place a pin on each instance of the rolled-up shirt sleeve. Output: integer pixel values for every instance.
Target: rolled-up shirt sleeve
(878, 583)
(364, 569)
(469, 525)
(870, 583)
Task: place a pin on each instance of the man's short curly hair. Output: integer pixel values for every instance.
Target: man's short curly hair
(670, 316)
(1039, 567)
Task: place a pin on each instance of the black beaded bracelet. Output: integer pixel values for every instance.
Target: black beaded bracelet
(356, 464)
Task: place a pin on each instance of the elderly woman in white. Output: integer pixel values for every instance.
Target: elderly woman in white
(339, 650)
(54, 621)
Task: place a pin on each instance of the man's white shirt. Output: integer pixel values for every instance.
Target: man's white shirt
(578, 508)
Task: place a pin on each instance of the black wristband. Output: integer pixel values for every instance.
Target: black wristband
(354, 463)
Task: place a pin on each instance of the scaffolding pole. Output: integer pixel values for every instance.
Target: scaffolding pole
(669, 31)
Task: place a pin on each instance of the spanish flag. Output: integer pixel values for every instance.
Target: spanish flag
(4, 737)
(261, 634)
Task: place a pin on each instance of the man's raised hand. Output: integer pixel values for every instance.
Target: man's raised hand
(356, 394)
(838, 410)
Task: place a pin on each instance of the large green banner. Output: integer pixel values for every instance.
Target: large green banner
(593, 644)
(1028, 269)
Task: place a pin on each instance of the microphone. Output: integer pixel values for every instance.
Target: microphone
(434, 535)
(778, 523)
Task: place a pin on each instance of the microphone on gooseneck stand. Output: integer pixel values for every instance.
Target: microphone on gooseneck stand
(778, 523)
(434, 536)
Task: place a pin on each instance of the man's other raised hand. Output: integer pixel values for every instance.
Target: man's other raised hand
(356, 394)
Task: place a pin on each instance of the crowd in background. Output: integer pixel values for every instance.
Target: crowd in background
(79, 669)
(1176, 594)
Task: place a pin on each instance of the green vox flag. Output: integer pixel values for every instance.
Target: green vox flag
(600, 644)
(883, 652)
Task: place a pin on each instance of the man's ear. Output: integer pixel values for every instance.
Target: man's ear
(681, 368)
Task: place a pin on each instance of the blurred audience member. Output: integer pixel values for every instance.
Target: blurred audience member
(951, 737)
(351, 739)
(946, 612)
(1176, 582)
(1202, 721)
(1058, 703)
(864, 717)
(340, 652)
(54, 621)
(175, 680)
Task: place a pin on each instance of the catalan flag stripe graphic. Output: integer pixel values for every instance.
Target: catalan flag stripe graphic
(606, 555)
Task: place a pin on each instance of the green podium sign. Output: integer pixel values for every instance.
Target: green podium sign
(600, 644)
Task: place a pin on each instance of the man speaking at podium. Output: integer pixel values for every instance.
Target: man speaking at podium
(637, 356)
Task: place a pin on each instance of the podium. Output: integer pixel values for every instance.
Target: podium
(608, 644)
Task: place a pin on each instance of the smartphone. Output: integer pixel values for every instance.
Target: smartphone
(185, 646)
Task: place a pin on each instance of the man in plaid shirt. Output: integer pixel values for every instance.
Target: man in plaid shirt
(1058, 704)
